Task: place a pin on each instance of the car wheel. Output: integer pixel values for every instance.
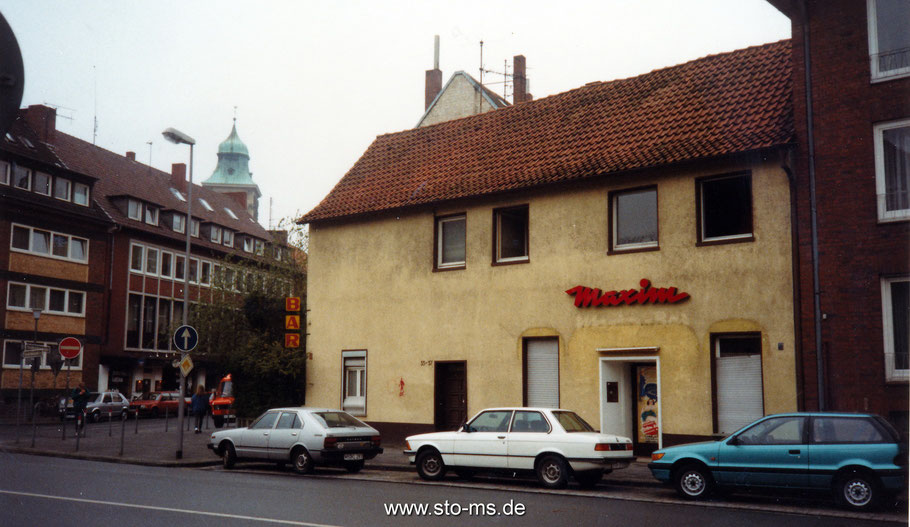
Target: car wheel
(303, 461)
(354, 466)
(228, 456)
(693, 482)
(96, 416)
(218, 420)
(464, 474)
(430, 465)
(857, 490)
(552, 472)
(589, 479)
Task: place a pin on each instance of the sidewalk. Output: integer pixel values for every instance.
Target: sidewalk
(154, 446)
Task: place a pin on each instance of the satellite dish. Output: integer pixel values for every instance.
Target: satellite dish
(12, 76)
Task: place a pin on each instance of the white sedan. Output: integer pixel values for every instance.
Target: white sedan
(554, 444)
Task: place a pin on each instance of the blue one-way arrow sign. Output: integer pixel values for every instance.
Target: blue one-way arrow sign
(186, 338)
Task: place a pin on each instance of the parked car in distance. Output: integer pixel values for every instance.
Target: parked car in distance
(159, 403)
(99, 405)
(554, 444)
(304, 437)
(859, 457)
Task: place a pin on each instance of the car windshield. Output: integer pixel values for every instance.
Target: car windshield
(337, 419)
(228, 389)
(571, 422)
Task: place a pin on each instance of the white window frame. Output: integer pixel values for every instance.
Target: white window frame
(88, 196)
(892, 374)
(161, 257)
(129, 209)
(357, 404)
(215, 234)
(247, 244)
(76, 366)
(50, 183)
(194, 228)
(203, 279)
(69, 188)
(440, 242)
(50, 253)
(614, 220)
(28, 173)
(148, 251)
(260, 247)
(879, 76)
(178, 223)
(497, 215)
(141, 248)
(228, 237)
(880, 186)
(702, 237)
(47, 300)
(151, 215)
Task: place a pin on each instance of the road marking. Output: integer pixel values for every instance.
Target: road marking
(165, 509)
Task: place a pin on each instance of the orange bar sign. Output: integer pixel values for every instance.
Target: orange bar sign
(292, 303)
(292, 322)
(291, 340)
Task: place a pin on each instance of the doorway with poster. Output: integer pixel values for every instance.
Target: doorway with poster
(645, 408)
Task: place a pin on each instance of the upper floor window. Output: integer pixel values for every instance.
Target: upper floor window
(450, 242)
(896, 327)
(134, 210)
(228, 238)
(215, 235)
(892, 170)
(510, 228)
(151, 215)
(22, 177)
(80, 194)
(260, 247)
(889, 39)
(194, 228)
(724, 208)
(178, 223)
(25, 297)
(248, 245)
(62, 188)
(47, 243)
(633, 219)
(42, 184)
(4, 173)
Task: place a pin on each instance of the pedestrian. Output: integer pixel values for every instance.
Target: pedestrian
(80, 401)
(200, 403)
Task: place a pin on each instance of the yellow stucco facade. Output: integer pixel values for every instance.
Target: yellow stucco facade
(372, 286)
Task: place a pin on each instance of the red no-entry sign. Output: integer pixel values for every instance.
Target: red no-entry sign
(70, 348)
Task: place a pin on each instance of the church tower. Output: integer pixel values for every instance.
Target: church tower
(232, 175)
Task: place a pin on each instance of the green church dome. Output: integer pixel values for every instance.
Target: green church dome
(233, 163)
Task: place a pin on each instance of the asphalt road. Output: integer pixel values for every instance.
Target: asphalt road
(56, 491)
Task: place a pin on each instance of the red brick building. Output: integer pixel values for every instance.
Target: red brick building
(851, 164)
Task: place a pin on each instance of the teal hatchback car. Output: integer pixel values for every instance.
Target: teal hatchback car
(859, 457)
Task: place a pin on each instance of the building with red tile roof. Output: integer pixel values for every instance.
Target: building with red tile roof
(622, 249)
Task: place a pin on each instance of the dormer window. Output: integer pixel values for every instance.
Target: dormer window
(62, 189)
(179, 223)
(231, 213)
(260, 247)
(151, 215)
(248, 245)
(216, 234)
(228, 238)
(194, 228)
(206, 205)
(80, 194)
(134, 210)
(42, 183)
(22, 177)
(177, 194)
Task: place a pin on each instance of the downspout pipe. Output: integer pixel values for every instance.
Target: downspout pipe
(813, 211)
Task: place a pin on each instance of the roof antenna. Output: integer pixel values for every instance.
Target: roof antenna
(150, 157)
(481, 65)
(270, 213)
(95, 127)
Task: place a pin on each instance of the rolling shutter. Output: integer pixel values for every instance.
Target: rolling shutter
(542, 373)
(739, 391)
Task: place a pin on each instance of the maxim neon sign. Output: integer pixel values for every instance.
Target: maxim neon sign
(590, 297)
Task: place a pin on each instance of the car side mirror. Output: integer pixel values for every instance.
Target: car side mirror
(734, 441)
(465, 428)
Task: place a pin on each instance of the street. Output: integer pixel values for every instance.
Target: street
(57, 491)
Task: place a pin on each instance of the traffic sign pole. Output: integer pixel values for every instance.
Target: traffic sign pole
(185, 339)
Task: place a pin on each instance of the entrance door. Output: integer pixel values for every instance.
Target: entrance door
(645, 438)
(451, 395)
(541, 375)
(738, 378)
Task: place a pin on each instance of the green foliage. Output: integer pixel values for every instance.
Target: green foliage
(241, 328)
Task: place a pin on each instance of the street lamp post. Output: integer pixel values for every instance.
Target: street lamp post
(177, 137)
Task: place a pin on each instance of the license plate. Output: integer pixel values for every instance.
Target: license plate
(353, 457)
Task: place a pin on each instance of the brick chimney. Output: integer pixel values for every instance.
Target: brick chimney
(131, 156)
(434, 77)
(178, 176)
(43, 120)
(520, 77)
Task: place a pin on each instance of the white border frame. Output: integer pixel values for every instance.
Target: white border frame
(891, 373)
(633, 358)
(879, 152)
(874, 73)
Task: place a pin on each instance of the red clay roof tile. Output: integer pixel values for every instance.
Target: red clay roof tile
(717, 105)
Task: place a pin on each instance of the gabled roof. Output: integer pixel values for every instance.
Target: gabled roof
(493, 99)
(714, 106)
(120, 176)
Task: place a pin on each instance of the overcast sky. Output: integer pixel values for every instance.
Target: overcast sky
(315, 82)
